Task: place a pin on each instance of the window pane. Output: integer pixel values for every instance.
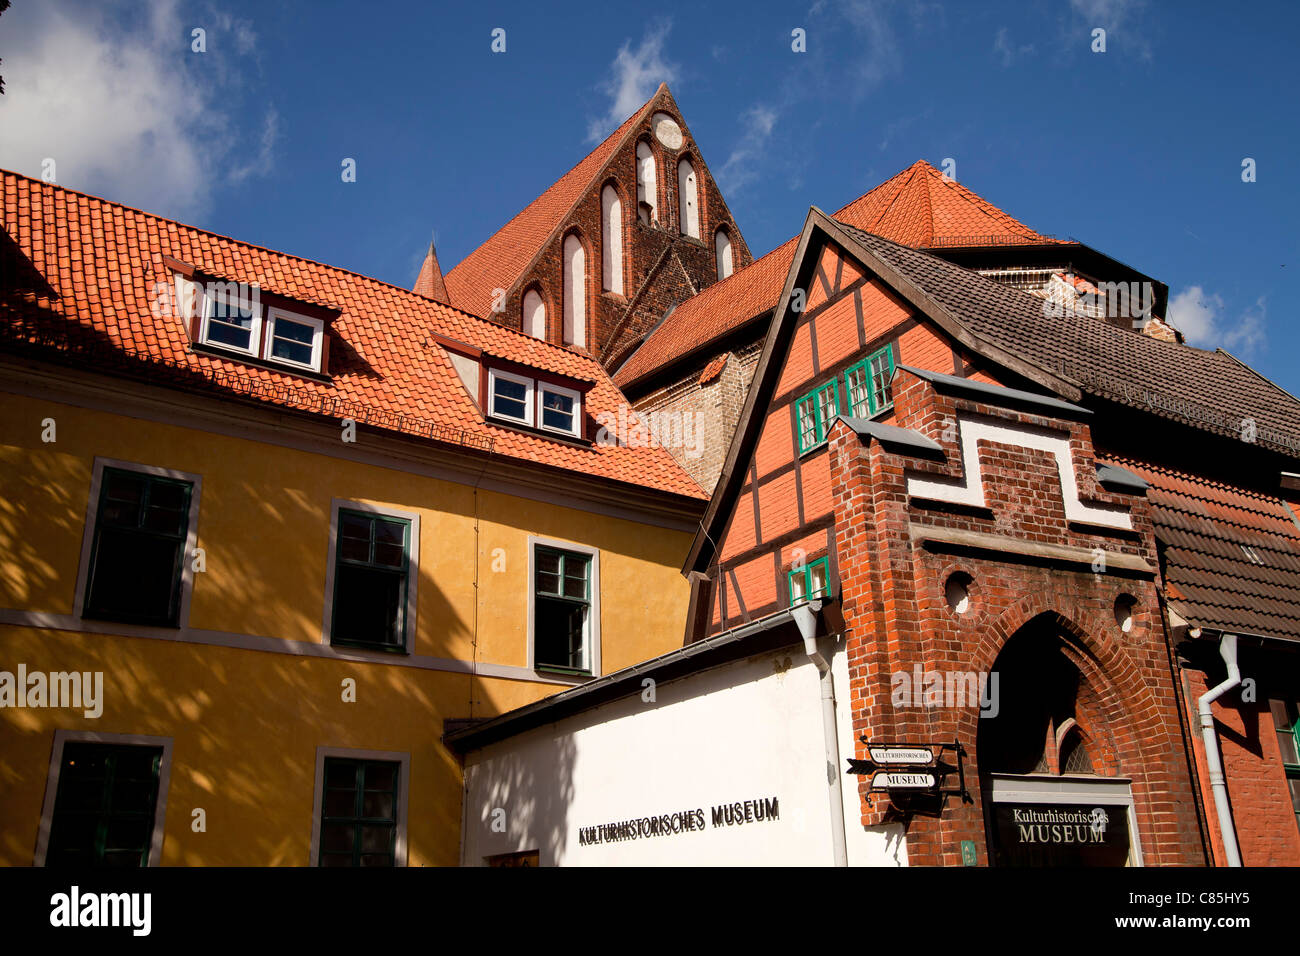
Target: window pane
(882, 367)
(368, 605)
(558, 411)
(135, 576)
(340, 773)
(293, 331)
(349, 839)
(291, 351)
(559, 632)
(381, 776)
(104, 806)
(817, 577)
(859, 404)
(807, 424)
(509, 398)
(798, 586)
(548, 561)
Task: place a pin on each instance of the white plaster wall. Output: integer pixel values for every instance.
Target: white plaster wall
(883, 845)
(744, 731)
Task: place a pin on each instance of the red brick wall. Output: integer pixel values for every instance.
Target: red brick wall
(1262, 813)
(895, 616)
(661, 267)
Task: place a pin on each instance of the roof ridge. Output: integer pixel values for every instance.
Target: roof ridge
(623, 128)
(208, 232)
(425, 300)
(1258, 374)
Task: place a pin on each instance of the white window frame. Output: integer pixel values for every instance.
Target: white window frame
(542, 388)
(403, 788)
(318, 336)
(530, 397)
(412, 575)
(92, 517)
(592, 637)
(62, 737)
(255, 336)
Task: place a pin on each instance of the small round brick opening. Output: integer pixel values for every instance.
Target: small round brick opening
(1125, 605)
(957, 592)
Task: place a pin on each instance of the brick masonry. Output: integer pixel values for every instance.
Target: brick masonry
(661, 267)
(896, 616)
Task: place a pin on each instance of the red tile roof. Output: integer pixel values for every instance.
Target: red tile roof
(917, 207)
(506, 255)
(429, 283)
(101, 261)
(1204, 527)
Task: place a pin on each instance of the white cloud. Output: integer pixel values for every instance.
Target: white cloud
(124, 108)
(1115, 17)
(739, 168)
(1200, 317)
(1006, 50)
(634, 76)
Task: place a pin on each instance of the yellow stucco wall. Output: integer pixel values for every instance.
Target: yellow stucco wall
(245, 724)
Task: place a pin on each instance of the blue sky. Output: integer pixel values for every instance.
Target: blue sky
(1137, 151)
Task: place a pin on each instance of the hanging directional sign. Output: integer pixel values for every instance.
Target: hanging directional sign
(912, 771)
(901, 780)
(901, 755)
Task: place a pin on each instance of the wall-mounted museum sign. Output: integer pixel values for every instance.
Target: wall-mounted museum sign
(1060, 834)
(738, 813)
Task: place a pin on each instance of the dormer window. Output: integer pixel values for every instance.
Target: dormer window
(233, 317)
(534, 403)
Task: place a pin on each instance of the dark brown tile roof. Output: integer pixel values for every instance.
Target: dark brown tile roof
(1209, 390)
(1232, 556)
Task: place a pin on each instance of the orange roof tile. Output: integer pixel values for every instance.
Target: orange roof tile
(102, 260)
(506, 254)
(429, 283)
(917, 207)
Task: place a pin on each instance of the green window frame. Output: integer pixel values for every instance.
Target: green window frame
(105, 805)
(1286, 718)
(562, 622)
(810, 582)
(358, 812)
(372, 569)
(867, 389)
(813, 414)
(137, 551)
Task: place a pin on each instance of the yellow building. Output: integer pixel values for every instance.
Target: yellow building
(266, 524)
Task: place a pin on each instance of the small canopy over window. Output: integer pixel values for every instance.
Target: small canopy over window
(689, 199)
(575, 304)
(534, 315)
(646, 189)
(722, 250)
(611, 246)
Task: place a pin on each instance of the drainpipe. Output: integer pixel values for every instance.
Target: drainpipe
(805, 617)
(1214, 763)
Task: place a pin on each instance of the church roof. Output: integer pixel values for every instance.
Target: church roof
(506, 255)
